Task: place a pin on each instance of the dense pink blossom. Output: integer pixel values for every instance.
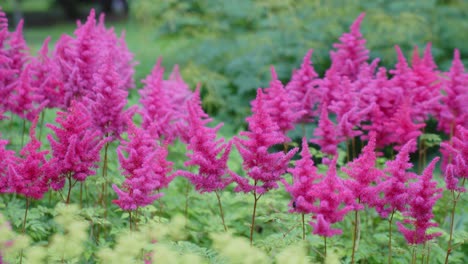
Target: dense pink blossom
(364, 175)
(263, 167)
(25, 101)
(455, 159)
(107, 108)
(146, 169)
(76, 147)
(394, 185)
(423, 196)
(303, 88)
(177, 89)
(326, 134)
(205, 151)
(7, 157)
(45, 76)
(335, 201)
(30, 174)
(283, 110)
(305, 177)
(351, 52)
(79, 57)
(454, 109)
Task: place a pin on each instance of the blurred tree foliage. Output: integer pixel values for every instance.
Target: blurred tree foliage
(230, 45)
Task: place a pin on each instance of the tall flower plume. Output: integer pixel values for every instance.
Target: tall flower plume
(263, 167)
(145, 168)
(76, 146)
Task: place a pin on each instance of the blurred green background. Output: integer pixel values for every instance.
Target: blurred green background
(229, 46)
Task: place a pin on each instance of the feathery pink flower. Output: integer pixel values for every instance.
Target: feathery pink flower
(7, 157)
(303, 88)
(396, 194)
(364, 176)
(207, 153)
(107, 108)
(282, 109)
(76, 147)
(455, 159)
(326, 134)
(30, 175)
(351, 52)
(263, 167)
(424, 194)
(335, 201)
(305, 177)
(146, 169)
(454, 110)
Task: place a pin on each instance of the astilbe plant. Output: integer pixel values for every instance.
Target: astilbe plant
(7, 157)
(145, 167)
(424, 194)
(261, 166)
(351, 53)
(455, 168)
(303, 88)
(206, 152)
(281, 107)
(326, 135)
(305, 176)
(75, 148)
(454, 110)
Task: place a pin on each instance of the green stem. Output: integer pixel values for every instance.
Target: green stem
(69, 188)
(41, 124)
(356, 227)
(303, 227)
(325, 247)
(390, 220)
(23, 229)
(22, 134)
(253, 215)
(452, 218)
(221, 209)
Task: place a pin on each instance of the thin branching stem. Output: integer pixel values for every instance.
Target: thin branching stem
(252, 226)
(390, 220)
(303, 226)
(221, 210)
(23, 229)
(325, 247)
(455, 197)
(355, 234)
(22, 133)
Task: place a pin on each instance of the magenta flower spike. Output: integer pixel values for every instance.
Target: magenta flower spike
(454, 110)
(45, 76)
(30, 175)
(7, 157)
(424, 194)
(265, 169)
(396, 194)
(107, 108)
(364, 176)
(351, 52)
(305, 178)
(76, 147)
(145, 168)
(177, 89)
(304, 88)
(326, 134)
(455, 157)
(335, 201)
(206, 152)
(282, 109)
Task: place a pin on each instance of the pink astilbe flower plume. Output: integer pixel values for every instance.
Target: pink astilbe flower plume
(24, 99)
(335, 201)
(30, 174)
(326, 134)
(76, 147)
(7, 157)
(305, 177)
(396, 194)
(424, 194)
(351, 53)
(364, 176)
(454, 109)
(303, 88)
(206, 153)
(45, 76)
(263, 167)
(455, 159)
(107, 107)
(282, 109)
(146, 170)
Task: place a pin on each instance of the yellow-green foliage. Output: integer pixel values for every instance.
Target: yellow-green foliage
(238, 249)
(11, 243)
